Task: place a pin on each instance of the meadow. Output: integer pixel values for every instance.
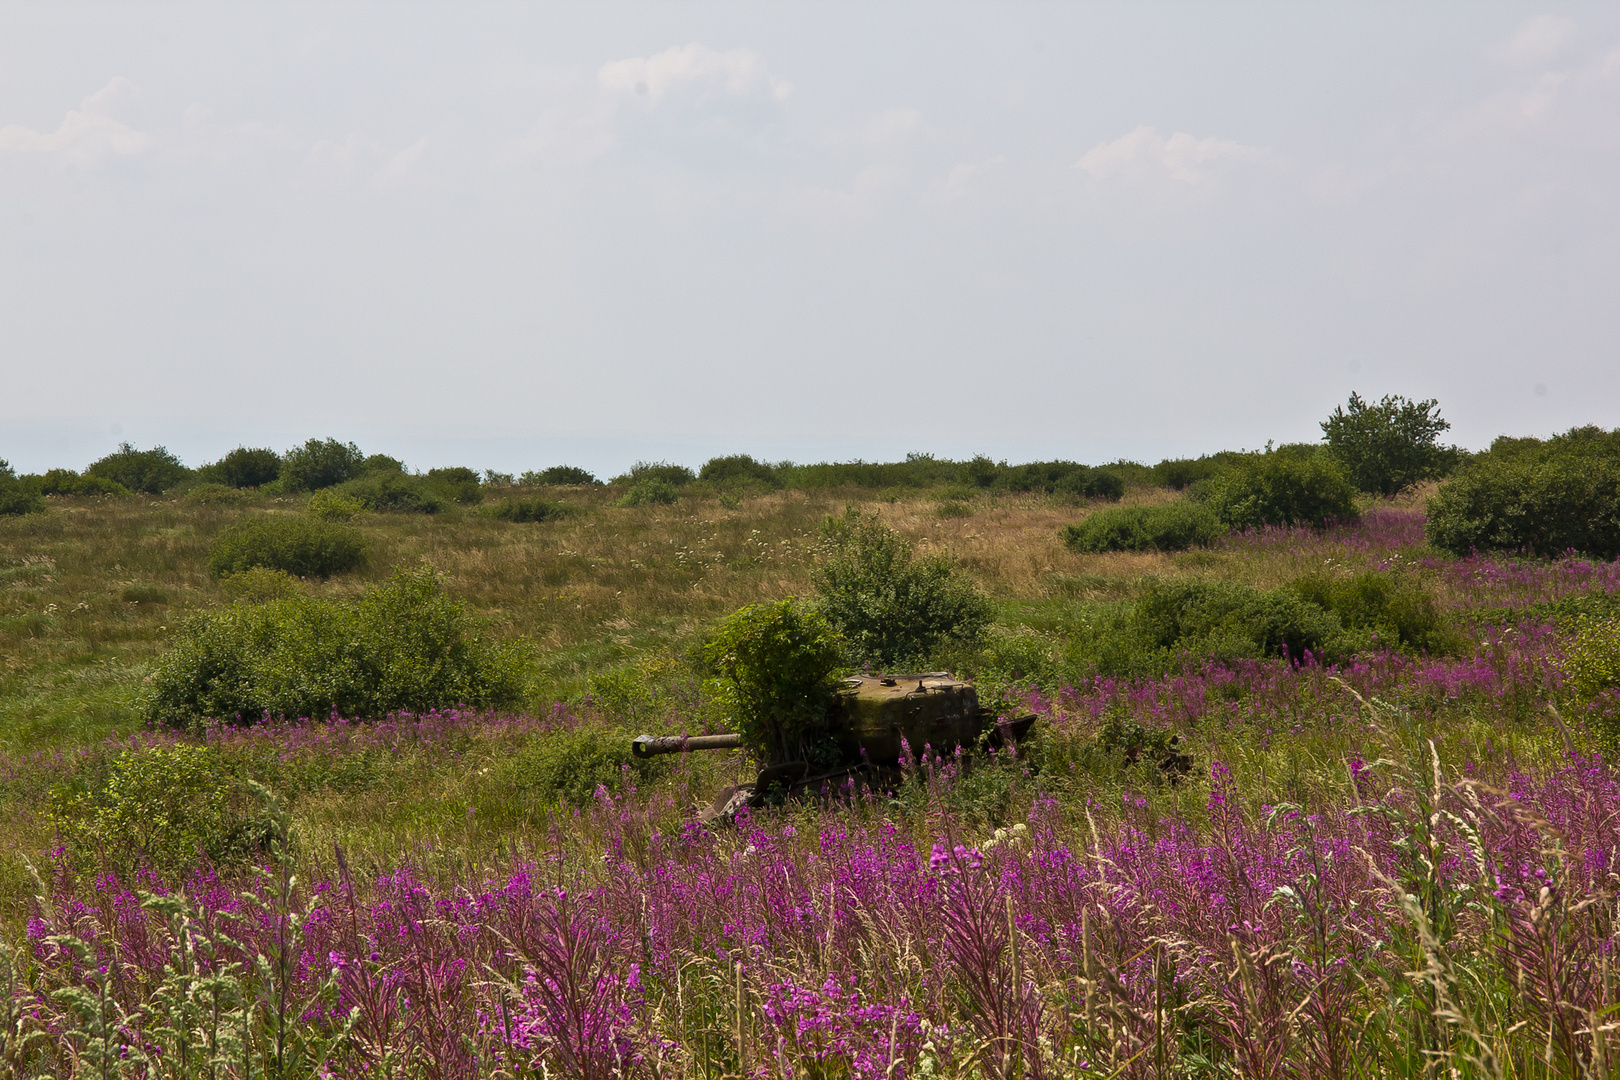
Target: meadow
(1385, 861)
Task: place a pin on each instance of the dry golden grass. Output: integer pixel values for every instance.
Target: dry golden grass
(91, 591)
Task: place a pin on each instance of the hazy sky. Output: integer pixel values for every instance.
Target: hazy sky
(511, 236)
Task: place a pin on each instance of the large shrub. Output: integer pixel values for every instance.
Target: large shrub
(1397, 610)
(1172, 526)
(243, 468)
(1232, 620)
(159, 809)
(891, 607)
(321, 463)
(300, 546)
(560, 476)
(1048, 477)
(650, 492)
(459, 483)
(1391, 445)
(738, 468)
(1591, 669)
(15, 497)
(387, 492)
(567, 767)
(151, 472)
(774, 667)
(1550, 498)
(400, 646)
(68, 482)
(1287, 486)
(675, 475)
(1180, 473)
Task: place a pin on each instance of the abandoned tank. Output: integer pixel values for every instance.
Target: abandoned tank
(876, 718)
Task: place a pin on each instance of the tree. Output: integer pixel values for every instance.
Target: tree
(15, 498)
(1291, 485)
(1391, 445)
(321, 463)
(244, 468)
(151, 471)
(891, 607)
(775, 665)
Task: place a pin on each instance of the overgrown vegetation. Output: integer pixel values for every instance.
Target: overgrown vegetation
(775, 666)
(1173, 526)
(1291, 485)
(892, 608)
(1389, 446)
(160, 810)
(1542, 497)
(1085, 883)
(298, 546)
(15, 498)
(151, 472)
(323, 463)
(243, 468)
(403, 646)
(560, 476)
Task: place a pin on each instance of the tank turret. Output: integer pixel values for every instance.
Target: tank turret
(875, 719)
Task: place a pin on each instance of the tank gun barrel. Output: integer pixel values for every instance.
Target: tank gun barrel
(652, 745)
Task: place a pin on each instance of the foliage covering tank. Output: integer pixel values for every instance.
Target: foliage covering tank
(876, 720)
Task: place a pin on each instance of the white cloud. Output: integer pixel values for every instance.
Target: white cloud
(693, 70)
(88, 134)
(1537, 41)
(1181, 156)
(398, 166)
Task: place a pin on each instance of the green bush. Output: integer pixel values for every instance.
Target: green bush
(211, 494)
(527, 510)
(775, 670)
(321, 463)
(1399, 611)
(151, 472)
(161, 809)
(650, 492)
(738, 468)
(1547, 499)
(458, 484)
(1181, 473)
(560, 476)
(1172, 526)
(1591, 665)
(15, 497)
(375, 463)
(68, 482)
(917, 471)
(388, 492)
(1048, 477)
(243, 468)
(569, 767)
(1093, 484)
(661, 471)
(1229, 620)
(329, 504)
(400, 646)
(298, 545)
(1389, 446)
(1286, 486)
(891, 607)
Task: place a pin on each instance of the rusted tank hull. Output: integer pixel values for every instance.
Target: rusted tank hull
(884, 715)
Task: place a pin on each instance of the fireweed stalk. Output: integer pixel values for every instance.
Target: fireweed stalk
(1412, 917)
